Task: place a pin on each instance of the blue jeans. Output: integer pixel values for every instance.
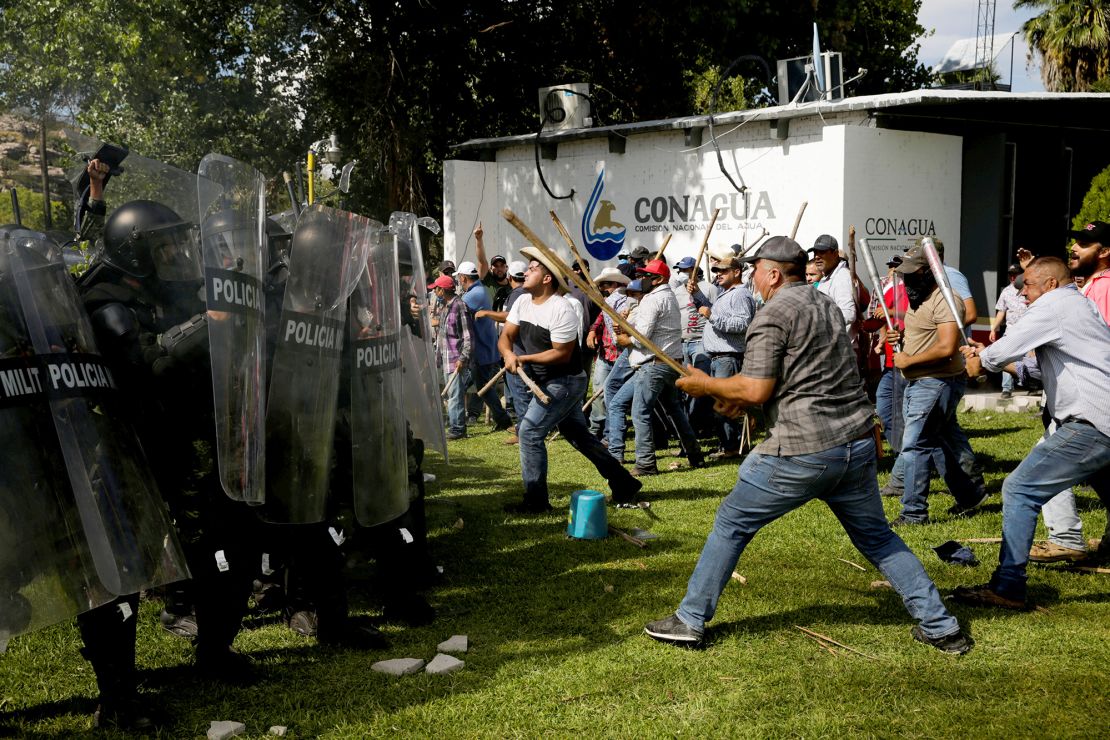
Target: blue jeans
(1007, 382)
(597, 408)
(699, 410)
(520, 394)
(1074, 453)
(731, 430)
(844, 478)
(564, 412)
(888, 404)
(456, 403)
(929, 413)
(655, 383)
(616, 409)
(481, 374)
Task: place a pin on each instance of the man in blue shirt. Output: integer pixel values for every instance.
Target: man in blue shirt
(486, 357)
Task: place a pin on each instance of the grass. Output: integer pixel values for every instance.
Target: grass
(557, 648)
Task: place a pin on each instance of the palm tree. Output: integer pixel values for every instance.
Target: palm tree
(1072, 38)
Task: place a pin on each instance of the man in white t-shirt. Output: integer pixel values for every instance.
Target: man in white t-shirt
(545, 324)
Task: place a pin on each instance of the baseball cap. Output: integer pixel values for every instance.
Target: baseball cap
(467, 268)
(913, 260)
(656, 267)
(446, 267)
(639, 252)
(685, 263)
(779, 249)
(825, 243)
(894, 261)
(444, 281)
(1096, 231)
(1014, 270)
(517, 268)
(498, 258)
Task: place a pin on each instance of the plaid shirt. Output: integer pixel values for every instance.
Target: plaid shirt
(456, 335)
(798, 338)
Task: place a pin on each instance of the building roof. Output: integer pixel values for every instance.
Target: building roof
(1077, 111)
(961, 56)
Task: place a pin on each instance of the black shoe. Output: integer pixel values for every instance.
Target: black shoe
(902, 521)
(181, 625)
(354, 636)
(127, 715)
(956, 644)
(674, 631)
(453, 436)
(958, 509)
(304, 623)
(889, 490)
(527, 507)
(268, 597)
(503, 425)
(225, 664)
(1005, 394)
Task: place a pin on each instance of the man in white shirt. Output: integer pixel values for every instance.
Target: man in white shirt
(836, 281)
(1072, 344)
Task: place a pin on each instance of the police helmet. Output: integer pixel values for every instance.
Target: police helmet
(143, 238)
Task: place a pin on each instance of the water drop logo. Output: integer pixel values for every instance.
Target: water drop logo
(602, 236)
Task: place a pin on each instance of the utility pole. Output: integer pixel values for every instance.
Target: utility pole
(984, 45)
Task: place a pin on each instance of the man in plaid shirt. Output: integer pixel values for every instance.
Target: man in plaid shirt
(610, 282)
(799, 363)
(455, 341)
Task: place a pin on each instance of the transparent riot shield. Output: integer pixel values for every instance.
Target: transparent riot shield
(379, 449)
(232, 230)
(327, 257)
(81, 521)
(421, 376)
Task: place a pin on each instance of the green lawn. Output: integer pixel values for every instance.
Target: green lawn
(557, 648)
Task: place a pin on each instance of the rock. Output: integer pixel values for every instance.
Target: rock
(14, 151)
(398, 666)
(442, 664)
(881, 584)
(225, 729)
(279, 730)
(454, 644)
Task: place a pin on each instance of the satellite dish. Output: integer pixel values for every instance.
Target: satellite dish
(818, 63)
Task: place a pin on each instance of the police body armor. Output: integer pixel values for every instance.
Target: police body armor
(81, 520)
(421, 376)
(379, 452)
(327, 257)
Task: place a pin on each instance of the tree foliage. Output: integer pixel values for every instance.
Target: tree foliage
(1072, 38)
(1096, 203)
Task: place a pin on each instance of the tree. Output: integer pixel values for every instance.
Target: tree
(1096, 203)
(1072, 38)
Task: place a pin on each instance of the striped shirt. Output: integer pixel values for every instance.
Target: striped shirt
(1072, 343)
(730, 316)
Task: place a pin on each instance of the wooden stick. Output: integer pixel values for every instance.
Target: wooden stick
(982, 540)
(450, 382)
(701, 252)
(594, 290)
(798, 219)
(827, 639)
(748, 247)
(619, 320)
(591, 399)
(1088, 569)
(626, 536)
(492, 381)
(854, 565)
(544, 398)
(659, 254)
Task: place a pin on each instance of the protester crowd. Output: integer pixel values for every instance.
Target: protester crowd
(822, 364)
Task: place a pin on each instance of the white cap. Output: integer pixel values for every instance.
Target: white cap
(517, 268)
(467, 268)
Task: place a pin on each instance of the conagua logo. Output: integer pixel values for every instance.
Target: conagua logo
(602, 236)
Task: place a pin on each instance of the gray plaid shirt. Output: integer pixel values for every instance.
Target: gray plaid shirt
(819, 401)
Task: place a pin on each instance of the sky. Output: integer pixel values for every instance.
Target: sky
(952, 20)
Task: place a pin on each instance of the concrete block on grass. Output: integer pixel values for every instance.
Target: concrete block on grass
(223, 729)
(454, 644)
(442, 664)
(279, 730)
(398, 666)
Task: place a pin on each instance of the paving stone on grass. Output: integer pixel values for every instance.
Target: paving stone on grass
(454, 644)
(442, 664)
(279, 730)
(223, 729)
(398, 666)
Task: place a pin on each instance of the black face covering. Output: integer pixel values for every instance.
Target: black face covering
(919, 286)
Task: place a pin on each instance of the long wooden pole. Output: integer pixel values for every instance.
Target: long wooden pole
(574, 250)
(591, 399)
(558, 262)
(544, 398)
(798, 219)
(701, 252)
(450, 382)
(492, 381)
(659, 254)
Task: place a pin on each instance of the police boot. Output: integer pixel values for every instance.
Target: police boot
(109, 636)
(178, 616)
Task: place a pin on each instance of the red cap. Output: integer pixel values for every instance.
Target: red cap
(444, 281)
(656, 267)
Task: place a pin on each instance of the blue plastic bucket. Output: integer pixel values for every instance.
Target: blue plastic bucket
(588, 519)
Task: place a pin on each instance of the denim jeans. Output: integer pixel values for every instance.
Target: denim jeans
(1074, 453)
(888, 405)
(617, 406)
(481, 375)
(520, 394)
(597, 408)
(1007, 382)
(699, 410)
(456, 402)
(655, 382)
(731, 430)
(844, 478)
(564, 412)
(929, 412)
